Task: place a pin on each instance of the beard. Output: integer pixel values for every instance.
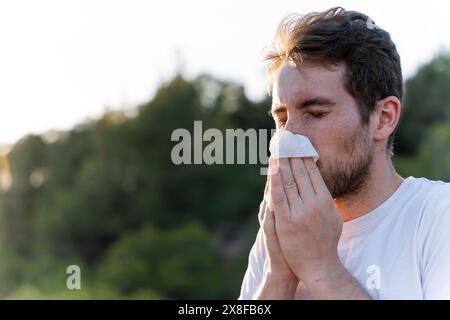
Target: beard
(347, 176)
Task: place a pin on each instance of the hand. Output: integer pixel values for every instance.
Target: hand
(279, 281)
(308, 225)
(277, 268)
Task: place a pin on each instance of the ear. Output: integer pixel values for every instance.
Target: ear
(387, 115)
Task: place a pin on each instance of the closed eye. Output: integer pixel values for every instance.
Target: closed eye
(317, 114)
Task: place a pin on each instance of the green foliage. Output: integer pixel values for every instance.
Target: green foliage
(405, 166)
(107, 195)
(426, 102)
(434, 153)
(29, 292)
(178, 263)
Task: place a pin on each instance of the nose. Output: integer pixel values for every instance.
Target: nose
(295, 127)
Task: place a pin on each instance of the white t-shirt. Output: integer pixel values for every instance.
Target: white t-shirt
(400, 250)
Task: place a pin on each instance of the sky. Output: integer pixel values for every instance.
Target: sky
(64, 61)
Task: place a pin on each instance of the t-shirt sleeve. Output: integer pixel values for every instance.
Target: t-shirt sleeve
(255, 270)
(435, 262)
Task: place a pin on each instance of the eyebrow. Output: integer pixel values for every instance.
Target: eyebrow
(318, 101)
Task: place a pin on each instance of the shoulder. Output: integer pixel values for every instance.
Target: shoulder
(432, 199)
(430, 194)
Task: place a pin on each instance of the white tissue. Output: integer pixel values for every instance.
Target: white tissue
(285, 144)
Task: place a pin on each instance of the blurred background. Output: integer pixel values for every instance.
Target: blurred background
(90, 92)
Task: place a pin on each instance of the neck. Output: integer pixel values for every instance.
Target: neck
(382, 182)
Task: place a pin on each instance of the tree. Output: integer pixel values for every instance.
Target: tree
(427, 102)
(434, 153)
(179, 263)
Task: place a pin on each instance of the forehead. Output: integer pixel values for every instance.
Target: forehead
(307, 80)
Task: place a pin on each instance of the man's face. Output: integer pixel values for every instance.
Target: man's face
(311, 100)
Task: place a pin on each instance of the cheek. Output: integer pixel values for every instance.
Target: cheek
(326, 139)
(333, 143)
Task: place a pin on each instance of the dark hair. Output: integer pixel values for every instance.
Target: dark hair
(373, 69)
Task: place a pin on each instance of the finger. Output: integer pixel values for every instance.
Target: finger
(277, 195)
(262, 210)
(267, 190)
(268, 224)
(301, 176)
(270, 238)
(273, 167)
(316, 178)
(289, 185)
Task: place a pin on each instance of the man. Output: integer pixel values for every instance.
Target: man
(348, 227)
